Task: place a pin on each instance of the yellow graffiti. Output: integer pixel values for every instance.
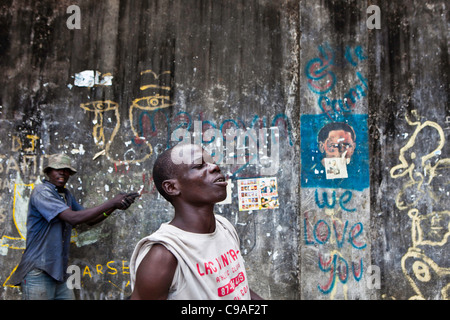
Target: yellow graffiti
(156, 77)
(423, 269)
(111, 269)
(17, 144)
(120, 289)
(147, 103)
(409, 168)
(19, 216)
(424, 194)
(99, 107)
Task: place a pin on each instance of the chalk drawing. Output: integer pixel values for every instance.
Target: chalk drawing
(145, 104)
(149, 119)
(22, 194)
(424, 195)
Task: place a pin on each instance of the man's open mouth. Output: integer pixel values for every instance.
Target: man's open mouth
(61, 180)
(220, 181)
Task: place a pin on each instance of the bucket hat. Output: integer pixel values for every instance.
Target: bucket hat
(60, 161)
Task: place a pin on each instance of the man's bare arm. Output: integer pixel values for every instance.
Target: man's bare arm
(94, 215)
(155, 274)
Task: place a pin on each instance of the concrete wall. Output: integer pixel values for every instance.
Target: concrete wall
(168, 67)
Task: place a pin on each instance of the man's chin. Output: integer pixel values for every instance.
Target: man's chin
(221, 198)
(60, 185)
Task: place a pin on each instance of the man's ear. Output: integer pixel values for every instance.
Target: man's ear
(171, 187)
(321, 147)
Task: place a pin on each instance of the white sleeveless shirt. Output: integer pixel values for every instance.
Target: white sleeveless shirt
(210, 266)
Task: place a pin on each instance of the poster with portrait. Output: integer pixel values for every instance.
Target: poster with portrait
(335, 154)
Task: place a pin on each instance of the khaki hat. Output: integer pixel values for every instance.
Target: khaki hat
(59, 161)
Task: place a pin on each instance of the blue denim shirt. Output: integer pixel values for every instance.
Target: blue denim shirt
(48, 237)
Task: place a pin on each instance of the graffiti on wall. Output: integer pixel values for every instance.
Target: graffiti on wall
(335, 170)
(322, 80)
(18, 178)
(340, 237)
(144, 104)
(424, 169)
(152, 123)
(111, 274)
(336, 223)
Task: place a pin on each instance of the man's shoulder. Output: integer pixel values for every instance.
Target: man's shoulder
(163, 232)
(221, 218)
(228, 226)
(224, 221)
(41, 187)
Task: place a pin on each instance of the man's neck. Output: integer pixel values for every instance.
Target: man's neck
(195, 219)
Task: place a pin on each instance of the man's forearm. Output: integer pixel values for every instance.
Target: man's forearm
(100, 218)
(87, 215)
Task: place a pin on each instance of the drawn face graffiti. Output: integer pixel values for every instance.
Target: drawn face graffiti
(338, 144)
(424, 196)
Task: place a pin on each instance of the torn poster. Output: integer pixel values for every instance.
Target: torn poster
(91, 78)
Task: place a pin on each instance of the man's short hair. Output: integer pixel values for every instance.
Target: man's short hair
(163, 169)
(325, 131)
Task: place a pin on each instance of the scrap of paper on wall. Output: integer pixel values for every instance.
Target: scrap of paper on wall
(258, 194)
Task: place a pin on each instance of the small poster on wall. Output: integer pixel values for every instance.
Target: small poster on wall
(335, 168)
(258, 194)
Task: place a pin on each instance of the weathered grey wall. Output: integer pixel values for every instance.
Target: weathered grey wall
(250, 65)
(335, 213)
(410, 127)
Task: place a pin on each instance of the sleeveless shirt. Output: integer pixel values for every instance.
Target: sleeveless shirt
(210, 266)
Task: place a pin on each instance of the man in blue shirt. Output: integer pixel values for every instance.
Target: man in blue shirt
(52, 213)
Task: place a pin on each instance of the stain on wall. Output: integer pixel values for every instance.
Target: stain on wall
(362, 204)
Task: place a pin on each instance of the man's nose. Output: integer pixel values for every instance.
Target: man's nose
(213, 167)
(64, 172)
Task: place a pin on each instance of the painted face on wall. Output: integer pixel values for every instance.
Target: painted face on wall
(338, 144)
